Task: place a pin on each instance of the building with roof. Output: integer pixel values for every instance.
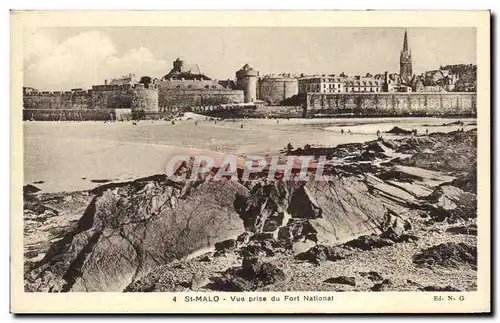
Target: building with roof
(337, 84)
(186, 86)
(246, 80)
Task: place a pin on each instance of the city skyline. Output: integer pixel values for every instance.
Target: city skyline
(64, 58)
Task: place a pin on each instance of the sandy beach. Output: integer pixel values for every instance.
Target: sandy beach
(70, 156)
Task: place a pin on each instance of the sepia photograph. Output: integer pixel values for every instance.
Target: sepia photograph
(295, 162)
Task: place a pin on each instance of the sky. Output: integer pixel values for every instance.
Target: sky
(65, 58)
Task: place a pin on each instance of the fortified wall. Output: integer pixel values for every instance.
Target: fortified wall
(96, 103)
(439, 104)
(274, 90)
(180, 98)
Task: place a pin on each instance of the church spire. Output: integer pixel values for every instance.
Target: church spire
(405, 42)
(405, 68)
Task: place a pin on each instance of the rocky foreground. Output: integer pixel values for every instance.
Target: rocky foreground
(397, 215)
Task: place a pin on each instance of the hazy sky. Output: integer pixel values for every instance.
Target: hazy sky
(64, 58)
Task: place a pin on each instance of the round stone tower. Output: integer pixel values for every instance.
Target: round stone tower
(246, 80)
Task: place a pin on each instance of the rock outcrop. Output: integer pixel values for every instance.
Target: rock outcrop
(129, 229)
(447, 255)
(154, 234)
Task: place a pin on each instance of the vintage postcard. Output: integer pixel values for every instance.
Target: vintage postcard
(250, 162)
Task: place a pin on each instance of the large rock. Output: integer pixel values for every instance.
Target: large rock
(330, 211)
(321, 253)
(369, 242)
(451, 255)
(451, 202)
(130, 228)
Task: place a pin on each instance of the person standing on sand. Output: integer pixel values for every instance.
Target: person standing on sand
(426, 132)
(342, 131)
(349, 131)
(378, 133)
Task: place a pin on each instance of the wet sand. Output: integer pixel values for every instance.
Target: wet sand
(69, 156)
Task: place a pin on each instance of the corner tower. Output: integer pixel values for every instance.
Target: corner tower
(405, 69)
(246, 80)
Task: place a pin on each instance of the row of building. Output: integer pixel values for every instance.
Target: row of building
(186, 86)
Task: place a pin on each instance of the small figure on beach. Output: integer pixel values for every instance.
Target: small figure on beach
(378, 133)
(342, 131)
(134, 123)
(289, 147)
(241, 126)
(196, 123)
(349, 131)
(277, 121)
(173, 122)
(426, 132)
(415, 132)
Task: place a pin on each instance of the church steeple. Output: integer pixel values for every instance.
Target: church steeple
(405, 42)
(405, 68)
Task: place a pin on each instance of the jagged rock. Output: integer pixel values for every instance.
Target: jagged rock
(390, 234)
(452, 203)
(337, 209)
(225, 245)
(342, 280)
(450, 197)
(262, 244)
(273, 221)
(321, 253)
(243, 238)
(369, 242)
(205, 258)
(467, 182)
(385, 285)
(372, 275)
(399, 131)
(232, 284)
(367, 155)
(262, 236)
(252, 250)
(302, 246)
(439, 289)
(250, 267)
(452, 255)
(295, 230)
(303, 205)
(130, 228)
(468, 230)
(376, 146)
(30, 189)
(397, 223)
(270, 274)
(262, 209)
(253, 274)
